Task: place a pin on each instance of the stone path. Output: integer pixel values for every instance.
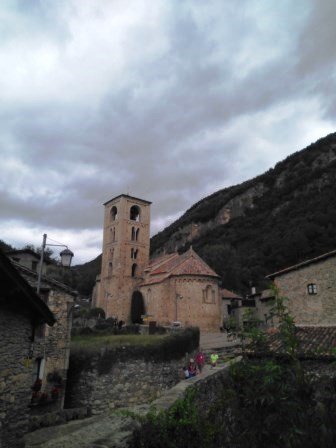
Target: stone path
(209, 341)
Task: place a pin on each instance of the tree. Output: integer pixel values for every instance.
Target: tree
(137, 307)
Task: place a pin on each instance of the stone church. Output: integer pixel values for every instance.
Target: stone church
(172, 287)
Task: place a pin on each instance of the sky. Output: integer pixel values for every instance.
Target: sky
(166, 100)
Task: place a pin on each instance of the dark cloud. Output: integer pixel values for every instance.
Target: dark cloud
(164, 101)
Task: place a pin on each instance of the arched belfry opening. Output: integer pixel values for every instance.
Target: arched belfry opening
(137, 307)
(114, 213)
(135, 213)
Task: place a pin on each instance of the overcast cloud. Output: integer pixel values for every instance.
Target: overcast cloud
(165, 100)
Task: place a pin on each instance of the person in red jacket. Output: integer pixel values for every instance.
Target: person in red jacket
(200, 361)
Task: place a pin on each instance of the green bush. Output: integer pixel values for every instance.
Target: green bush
(97, 312)
(180, 427)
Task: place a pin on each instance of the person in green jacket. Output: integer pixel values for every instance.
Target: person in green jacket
(213, 359)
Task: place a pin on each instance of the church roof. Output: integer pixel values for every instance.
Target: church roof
(227, 294)
(174, 264)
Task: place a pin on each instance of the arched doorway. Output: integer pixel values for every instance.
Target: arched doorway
(137, 307)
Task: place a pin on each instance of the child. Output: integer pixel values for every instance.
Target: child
(213, 359)
(192, 368)
(186, 372)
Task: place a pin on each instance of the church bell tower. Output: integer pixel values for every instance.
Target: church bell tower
(126, 239)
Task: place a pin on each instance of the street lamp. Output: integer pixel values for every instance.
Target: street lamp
(66, 257)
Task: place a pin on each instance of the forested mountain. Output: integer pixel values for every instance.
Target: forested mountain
(275, 220)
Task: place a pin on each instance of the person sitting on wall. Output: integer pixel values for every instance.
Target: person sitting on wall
(186, 372)
(192, 368)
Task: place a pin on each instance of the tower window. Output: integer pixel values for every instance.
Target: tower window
(134, 253)
(134, 269)
(135, 213)
(133, 234)
(312, 288)
(110, 268)
(114, 213)
(137, 234)
(113, 232)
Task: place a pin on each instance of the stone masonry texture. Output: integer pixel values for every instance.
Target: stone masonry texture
(15, 377)
(311, 309)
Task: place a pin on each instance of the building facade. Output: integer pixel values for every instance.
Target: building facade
(173, 287)
(21, 313)
(126, 237)
(310, 288)
(50, 351)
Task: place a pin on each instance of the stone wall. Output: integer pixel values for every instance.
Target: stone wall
(53, 345)
(314, 309)
(126, 383)
(15, 377)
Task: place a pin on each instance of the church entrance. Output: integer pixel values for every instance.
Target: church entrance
(137, 307)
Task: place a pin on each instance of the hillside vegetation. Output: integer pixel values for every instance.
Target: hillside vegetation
(280, 218)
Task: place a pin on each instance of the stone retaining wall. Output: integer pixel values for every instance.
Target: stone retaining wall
(127, 383)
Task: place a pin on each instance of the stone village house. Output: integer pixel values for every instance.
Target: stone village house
(49, 353)
(21, 313)
(310, 288)
(173, 287)
(310, 291)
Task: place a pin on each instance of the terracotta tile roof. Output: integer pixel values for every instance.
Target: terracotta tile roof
(314, 341)
(160, 259)
(304, 263)
(188, 263)
(227, 294)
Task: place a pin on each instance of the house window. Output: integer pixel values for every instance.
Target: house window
(34, 266)
(38, 369)
(311, 288)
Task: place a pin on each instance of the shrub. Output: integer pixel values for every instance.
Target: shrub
(97, 312)
(179, 427)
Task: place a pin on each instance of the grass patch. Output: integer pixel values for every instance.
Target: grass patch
(101, 341)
